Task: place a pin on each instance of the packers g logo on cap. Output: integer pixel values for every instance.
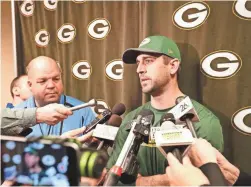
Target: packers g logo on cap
(42, 38)
(240, 10)
(221, 64)
(27, 8)
(183, 19)
(145, 41)
(238, 120)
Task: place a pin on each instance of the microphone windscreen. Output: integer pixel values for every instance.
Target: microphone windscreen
(119, 109)
(145, 113)
(167, 117)
(93, 102)
(179, 99)
(115, 120)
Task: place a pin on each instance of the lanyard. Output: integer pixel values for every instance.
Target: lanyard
(61, 123)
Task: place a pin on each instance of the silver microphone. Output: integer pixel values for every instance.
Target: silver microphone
(92, 102)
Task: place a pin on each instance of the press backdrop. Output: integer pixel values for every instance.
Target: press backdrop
(88, 39)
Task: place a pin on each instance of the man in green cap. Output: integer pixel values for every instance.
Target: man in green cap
(34, 174)
(158, 59)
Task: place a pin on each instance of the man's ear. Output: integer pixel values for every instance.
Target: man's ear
(16, 91)
(175, 64)
(29, 84)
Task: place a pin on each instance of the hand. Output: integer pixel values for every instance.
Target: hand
(52, 114)
(85, 181)
(184, 174)
(75, 134)
(230, 172)
(201, 152)
(8, 183)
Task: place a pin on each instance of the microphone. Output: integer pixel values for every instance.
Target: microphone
(107, 133)
(168, 123)
(119, 109)
(90, 103)
(105, 116)
(182, 108)
(171, 138)
(127, 157)
(187, 117)
(100, 119)
(25, 132)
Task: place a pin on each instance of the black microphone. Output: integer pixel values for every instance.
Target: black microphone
(127, 159)
(100, 119)
(105, 116)
(119, 109)
(25, 132)
(187, 118)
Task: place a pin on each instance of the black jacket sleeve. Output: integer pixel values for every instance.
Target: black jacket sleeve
(244, 179)
(214, 174)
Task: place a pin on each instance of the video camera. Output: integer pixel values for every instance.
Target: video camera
(48, 161)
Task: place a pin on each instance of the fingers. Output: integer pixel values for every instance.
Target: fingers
(74, 133)
(186, 161)
(60, 116)
(8, 183)
(64, 110)
(85, 137)
(56, 119)
(172, 161)
(168, 171)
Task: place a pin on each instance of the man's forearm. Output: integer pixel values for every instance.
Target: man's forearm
(14, 121)
(155, 180)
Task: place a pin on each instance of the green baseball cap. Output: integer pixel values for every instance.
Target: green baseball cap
(30, 151)
(153, 45)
